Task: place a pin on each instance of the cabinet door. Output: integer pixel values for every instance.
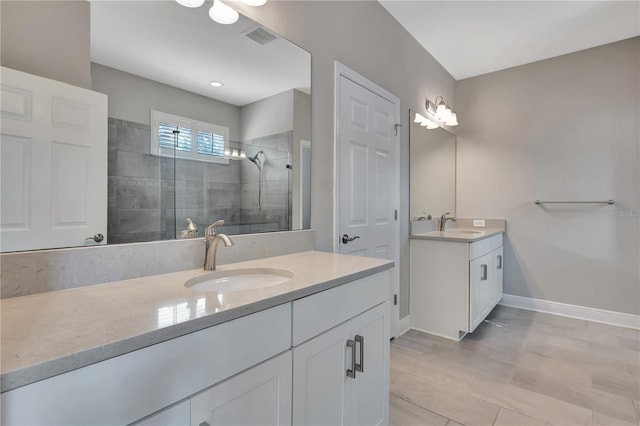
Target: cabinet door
(370, 389)
(498, 284)
(319, 378)
(258, 396)
(479, 291)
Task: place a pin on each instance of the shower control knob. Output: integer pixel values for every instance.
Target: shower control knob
(97, 238)
(346, 238)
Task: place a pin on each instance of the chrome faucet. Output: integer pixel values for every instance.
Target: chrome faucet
(443, 220)
(211, 240)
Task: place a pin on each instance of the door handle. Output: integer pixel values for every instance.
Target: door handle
(97, 238)
(483, 277)
(351, 372)
(499, 261)
(360, 367)
(346, 238)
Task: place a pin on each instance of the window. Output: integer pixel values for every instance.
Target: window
(196, 140)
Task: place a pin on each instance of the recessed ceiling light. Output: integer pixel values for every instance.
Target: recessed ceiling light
(216, 84)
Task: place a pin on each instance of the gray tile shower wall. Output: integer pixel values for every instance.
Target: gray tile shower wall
(274, 214)
(150, 197)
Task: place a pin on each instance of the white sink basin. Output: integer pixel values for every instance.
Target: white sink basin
(462, 231)
(227, 281)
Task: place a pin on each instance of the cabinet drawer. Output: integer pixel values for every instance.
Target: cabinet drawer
(317, 313)
(129, 387)
(482, 247)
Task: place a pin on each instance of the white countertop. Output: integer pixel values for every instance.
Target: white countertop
(47, 334)
(464, 235)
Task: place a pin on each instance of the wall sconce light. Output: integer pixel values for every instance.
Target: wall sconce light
(442, 112)
(221, 12)
(425, 122)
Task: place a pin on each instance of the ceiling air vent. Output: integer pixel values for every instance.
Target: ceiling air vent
(260, 35)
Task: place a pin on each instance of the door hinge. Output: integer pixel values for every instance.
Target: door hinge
(395, 214)
(395, 299)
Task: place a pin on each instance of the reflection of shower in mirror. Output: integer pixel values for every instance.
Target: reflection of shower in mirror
(258, 160)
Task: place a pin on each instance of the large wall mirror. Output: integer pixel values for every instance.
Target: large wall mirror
(432, 170)
(205, 122)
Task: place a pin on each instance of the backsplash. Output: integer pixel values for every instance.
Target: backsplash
(33, 272)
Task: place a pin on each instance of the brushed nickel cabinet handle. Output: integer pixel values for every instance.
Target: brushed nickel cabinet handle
(499, 261)
(352, 371)
(483, 277)
(360, 367)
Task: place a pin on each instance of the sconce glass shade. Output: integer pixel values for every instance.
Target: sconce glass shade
(453, 120)
(190, 3)
(254, 2)
(242, 154)
(431, 125)
(223, 14)
(443, 112)
(419, 119)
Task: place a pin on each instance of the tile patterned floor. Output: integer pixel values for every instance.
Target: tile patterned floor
(518, 368)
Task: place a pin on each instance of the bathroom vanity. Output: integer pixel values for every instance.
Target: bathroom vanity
(456, 278)
(313, 349)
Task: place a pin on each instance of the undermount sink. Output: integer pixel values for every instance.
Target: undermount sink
(227, 281)
(462, 231)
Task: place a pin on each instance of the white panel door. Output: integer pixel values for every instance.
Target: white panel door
(319, 379)
(370, 389)
(54, 163)
(368, 173)
(258, 396)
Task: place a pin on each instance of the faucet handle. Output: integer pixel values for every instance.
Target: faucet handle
(211, 229)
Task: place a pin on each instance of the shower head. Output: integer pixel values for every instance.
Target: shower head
(256, 159)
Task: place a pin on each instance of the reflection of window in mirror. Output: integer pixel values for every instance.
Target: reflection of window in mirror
(194, 140)
(432, 170)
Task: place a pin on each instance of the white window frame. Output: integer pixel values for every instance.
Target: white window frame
(157, 117)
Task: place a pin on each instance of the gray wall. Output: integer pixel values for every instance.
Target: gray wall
(363, 36)
(131, 98)
(561, 129)
(267, 116)
(46, 38)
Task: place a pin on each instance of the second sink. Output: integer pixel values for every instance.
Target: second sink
(226, 281)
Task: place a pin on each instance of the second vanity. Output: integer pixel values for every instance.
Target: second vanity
(456, 277)
(149, 351)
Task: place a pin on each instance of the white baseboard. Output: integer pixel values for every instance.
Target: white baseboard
(620, 319)
(404, 325)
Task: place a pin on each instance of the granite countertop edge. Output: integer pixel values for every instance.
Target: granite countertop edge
(11, 380)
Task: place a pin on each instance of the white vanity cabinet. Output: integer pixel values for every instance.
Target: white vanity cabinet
(454, 284)
(341, 376)
(130, 387)
(258, 396)
(259, 369)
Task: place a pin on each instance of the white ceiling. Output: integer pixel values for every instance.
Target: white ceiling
(184, 48)
(470, 38)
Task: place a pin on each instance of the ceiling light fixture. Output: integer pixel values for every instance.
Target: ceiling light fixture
(191, 3)
(441, 112)
(221, 12)
(216, 84)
